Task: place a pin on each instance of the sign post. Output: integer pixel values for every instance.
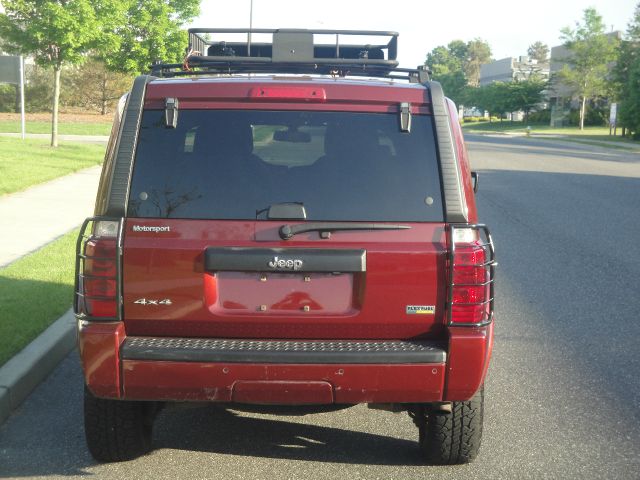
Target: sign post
(23, 128)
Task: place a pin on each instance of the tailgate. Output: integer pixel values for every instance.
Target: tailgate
(203, 252)
(237, 279)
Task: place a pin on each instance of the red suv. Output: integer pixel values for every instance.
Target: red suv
(286, 223)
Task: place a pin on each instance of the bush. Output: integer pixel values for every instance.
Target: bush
(594, 116)
(542, 117)
(38, 92)
(91, 86)
(8, 98)
(474, 119)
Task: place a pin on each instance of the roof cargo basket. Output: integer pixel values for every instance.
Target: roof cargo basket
(331, 52)
(297, 45)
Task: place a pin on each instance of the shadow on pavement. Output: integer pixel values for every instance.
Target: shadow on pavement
(212, 429)
(45, 436)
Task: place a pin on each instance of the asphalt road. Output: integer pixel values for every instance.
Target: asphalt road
(563, 392)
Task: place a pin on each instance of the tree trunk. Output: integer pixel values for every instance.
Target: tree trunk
(104, 94)
(56, 101)
(582, 109)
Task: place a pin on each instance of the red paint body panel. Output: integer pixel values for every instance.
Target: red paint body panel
(351, 384)
(404, 267)
(469, 354)
(282, 393)
(225, 93)
(99, 345)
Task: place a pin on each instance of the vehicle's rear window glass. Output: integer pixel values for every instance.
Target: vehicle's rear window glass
(230, 164)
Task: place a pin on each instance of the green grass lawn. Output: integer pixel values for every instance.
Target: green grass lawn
(507, 126)
(28, 162)
(67, 127)
(34, 292)
(590, 135)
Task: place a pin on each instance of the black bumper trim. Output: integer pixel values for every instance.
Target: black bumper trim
(282, 351)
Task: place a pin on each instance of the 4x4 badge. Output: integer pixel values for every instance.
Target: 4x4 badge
(147, 301)
(291, 264)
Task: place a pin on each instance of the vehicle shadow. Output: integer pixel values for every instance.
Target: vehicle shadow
(45, 436)
(208, 428)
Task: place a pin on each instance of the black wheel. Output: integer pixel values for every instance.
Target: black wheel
(448, 438)
(117, 430)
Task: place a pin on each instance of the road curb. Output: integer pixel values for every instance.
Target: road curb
(20, 375)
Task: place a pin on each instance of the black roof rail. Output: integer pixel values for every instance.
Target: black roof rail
(291, 51)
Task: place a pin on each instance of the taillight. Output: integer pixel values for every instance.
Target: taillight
(472, 266)
(97, 271)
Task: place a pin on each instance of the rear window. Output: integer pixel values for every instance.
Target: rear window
(234, 164)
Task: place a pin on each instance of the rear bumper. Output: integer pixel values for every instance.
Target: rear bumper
(265, 372)
(282, 384)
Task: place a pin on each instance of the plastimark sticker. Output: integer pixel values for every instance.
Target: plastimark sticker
(421, 309)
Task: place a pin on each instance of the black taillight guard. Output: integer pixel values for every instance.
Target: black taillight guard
(85, 235)
(485, 240)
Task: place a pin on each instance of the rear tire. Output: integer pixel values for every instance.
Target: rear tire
(117, 430)
(449, 438)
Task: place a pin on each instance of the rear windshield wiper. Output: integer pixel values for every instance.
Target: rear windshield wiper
(325, 229)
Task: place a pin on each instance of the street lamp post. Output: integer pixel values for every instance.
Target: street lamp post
(250, 28)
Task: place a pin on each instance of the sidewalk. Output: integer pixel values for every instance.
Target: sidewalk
(40, 214)
(630, 147)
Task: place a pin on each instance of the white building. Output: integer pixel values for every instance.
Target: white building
(510, 69)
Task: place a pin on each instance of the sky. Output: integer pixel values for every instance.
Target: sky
(509, 26)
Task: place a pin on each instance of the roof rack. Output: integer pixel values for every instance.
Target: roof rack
(291, 51)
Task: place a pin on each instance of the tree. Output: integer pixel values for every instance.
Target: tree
(127, 34)
(539, 51)
(526, 94)
(626, 75)
(478, 53)
(94, 87)
(55, 32)
(150, 30)
(452, 65)
(447, 67)
(590, 53)
(450, 59)
(459, 51)
(494, 98)
(631, 111)
(454, 85)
